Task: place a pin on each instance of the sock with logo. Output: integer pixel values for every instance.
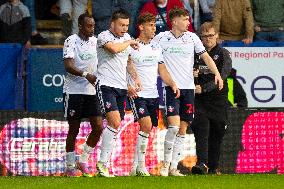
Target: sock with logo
(108, 143)
(177, 151)
(169, 143)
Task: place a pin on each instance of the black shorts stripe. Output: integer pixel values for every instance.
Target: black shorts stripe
(66, 99)
(165, 99)
(134, 110)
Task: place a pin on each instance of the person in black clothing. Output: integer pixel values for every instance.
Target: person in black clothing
(236, 95)
(211, 104)
(15, 23)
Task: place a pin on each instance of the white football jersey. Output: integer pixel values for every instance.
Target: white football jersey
(112, 67)
(146, 60)
(84, 54)
(178, 54)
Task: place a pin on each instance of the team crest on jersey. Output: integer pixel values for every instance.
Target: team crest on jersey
(72, 113)
(108, 105)
(141, 110)
(216, 57)
(170, 109)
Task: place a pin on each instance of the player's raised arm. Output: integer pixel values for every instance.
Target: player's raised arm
(119, 47)
(118, 29)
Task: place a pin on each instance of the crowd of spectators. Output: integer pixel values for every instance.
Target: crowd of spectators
(235, 20)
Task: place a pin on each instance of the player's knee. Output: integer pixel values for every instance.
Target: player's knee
(114, 124)
(171, 133)
(146, 129)
(182, 129)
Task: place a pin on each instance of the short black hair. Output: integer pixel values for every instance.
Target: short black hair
(121, 13)
(82, 17)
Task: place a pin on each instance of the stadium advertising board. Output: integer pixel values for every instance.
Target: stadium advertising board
(11, 85)
(262, 144)
(260, 71)
(45, 80)
(35, 147)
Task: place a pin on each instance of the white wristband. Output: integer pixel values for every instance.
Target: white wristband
(84, 74)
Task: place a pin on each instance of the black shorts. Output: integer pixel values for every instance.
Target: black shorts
(111, 99)
(143, 107)
(182, 106)
(78, 106)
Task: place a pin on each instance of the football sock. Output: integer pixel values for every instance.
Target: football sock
(70, 159)
(87, 150)
(169, 142)
(108, 143)
(177, 151)
(142, 147)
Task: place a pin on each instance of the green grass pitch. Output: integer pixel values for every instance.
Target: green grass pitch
(246, 181)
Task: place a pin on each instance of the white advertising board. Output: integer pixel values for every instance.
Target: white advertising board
(260, 70)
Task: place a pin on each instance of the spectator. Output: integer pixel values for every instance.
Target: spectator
(69, 12)
(188, 7)
(36, 38)
(134, 14)
(233, 20)
(162, 7)
(206, 10)
(236, 95)
(2, 2)
(103, 9)
(269, 20)
(15, 26)
(196, 14)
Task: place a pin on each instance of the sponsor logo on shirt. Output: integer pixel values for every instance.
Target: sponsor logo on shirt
(86, 56)
(176, 50)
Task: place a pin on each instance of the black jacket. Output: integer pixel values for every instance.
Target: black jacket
(213, 101)
(15, 23)
(206, 78)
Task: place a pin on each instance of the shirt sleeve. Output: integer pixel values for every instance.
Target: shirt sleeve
(104, 38)
(157, 38)
(248, 17)
(198, 46)
(69, 48)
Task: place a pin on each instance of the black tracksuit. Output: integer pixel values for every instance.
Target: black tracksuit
(210, 117)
